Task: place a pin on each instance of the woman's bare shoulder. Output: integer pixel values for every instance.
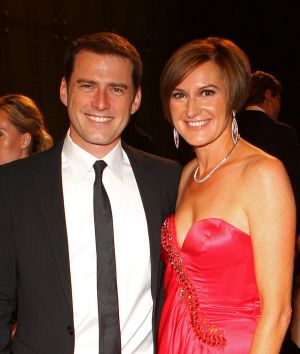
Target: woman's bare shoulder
(262, 173)
(259, 164)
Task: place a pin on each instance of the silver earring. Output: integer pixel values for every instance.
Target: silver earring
(234, 129)
(176, 138)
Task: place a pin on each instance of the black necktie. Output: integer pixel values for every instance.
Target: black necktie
(107, 292)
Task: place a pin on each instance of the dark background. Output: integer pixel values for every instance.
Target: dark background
(34, 35)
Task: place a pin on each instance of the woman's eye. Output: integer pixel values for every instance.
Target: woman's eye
(177, 95)
(207, 93)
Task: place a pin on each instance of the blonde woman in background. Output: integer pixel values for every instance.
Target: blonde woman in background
(22, 128)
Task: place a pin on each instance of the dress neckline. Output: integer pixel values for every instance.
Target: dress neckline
(200, 221)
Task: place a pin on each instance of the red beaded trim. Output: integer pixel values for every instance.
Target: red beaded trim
(207, 332)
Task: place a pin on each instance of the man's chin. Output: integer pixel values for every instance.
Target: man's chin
(103, 141)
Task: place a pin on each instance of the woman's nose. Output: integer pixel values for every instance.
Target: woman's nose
(192, 108)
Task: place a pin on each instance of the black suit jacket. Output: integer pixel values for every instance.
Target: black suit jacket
(277, 139)
(35, 278)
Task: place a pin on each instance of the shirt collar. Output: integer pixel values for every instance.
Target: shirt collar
(81, 162)
(255, 108)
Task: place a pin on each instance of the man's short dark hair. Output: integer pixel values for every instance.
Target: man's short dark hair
(260, 82)
(104, 43)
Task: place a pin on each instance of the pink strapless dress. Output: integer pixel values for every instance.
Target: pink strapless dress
(212, 303)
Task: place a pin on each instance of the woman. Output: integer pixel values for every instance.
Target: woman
(295, 322)
(22, 129)
(229, 247)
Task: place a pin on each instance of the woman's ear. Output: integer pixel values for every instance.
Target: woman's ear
(25, 140)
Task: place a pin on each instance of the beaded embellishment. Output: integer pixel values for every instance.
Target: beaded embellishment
(205, 331)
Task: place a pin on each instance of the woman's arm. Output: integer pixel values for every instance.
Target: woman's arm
(271, 215)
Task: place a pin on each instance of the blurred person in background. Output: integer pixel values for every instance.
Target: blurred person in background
(259, 125)
(22, 128)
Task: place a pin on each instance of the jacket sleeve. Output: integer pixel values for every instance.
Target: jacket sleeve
(291, 160)
(8, 274)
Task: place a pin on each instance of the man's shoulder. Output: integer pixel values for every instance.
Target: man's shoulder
(283, 130)
(285, 126)
(259, 122)
(149, 159)
(21, 166)
(250, 115)
(247, 116)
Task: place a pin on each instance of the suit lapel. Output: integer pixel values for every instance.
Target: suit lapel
(48, 181)
(149, 192)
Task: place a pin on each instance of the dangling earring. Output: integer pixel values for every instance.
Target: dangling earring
(234, 129)
(176, 138)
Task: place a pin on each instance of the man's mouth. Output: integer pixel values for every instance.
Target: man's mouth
(99, 119)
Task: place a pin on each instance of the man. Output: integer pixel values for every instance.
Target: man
(258, 124)
(48, 256)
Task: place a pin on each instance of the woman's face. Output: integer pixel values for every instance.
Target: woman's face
(198, 105)
(11, 140)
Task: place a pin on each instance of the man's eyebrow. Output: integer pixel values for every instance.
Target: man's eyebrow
(118, 84)
(111, 84)
(86, 81)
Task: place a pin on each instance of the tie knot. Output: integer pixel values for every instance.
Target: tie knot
(99, 166)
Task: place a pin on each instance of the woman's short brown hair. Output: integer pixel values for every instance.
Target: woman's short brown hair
(232, 62)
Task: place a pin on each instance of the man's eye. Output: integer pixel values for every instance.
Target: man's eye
(117, 90)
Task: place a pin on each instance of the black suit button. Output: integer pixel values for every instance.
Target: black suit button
(70, 330)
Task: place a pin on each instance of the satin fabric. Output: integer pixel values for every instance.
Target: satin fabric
(218, 260)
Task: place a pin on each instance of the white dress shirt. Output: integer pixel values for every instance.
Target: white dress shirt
(131, 248)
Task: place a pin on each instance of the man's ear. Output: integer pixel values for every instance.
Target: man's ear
(136, 101)
(25, 140)
(63, 91)
(268, 95)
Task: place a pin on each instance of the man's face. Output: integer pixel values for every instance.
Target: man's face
(275, 106)
(100, 99)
